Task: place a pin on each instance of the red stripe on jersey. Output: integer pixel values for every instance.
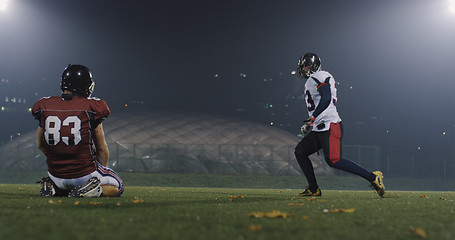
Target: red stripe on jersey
(335, 142)
(322, 84)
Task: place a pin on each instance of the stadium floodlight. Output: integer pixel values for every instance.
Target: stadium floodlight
(3, 5)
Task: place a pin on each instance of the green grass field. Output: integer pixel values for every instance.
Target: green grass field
(223, 213)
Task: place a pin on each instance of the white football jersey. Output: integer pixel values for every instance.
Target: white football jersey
(312, 98)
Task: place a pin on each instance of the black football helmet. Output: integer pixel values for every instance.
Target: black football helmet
(77, 79)
(311, 60)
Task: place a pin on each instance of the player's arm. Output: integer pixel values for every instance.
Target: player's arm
(326, 97)
(324, 102)
(40, 140)
(102, 150)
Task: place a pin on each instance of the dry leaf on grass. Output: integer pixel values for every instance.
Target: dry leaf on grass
(137, 200)
(340, 210)
(231, 198)
(296, 204)
(256, 214)
(420, 232)
(254, 227)
(269, 214)
(94, 203)
(424, 196)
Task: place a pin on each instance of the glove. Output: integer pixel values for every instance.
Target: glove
(308, 125)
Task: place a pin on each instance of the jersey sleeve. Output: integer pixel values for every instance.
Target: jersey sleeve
(36, 110)
(324, 92)
(324, 102)
(101, 110)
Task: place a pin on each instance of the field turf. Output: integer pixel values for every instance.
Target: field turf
(226, 213)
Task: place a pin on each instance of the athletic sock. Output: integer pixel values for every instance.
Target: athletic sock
(350, 166)
(307, 169)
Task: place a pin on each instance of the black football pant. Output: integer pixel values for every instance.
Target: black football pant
(330, 143)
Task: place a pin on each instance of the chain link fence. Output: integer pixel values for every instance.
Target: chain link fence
(236, 159)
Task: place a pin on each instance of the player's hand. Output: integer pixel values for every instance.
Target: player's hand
(308, 125)
(304, 128)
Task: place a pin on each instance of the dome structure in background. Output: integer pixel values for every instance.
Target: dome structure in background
(183, 143)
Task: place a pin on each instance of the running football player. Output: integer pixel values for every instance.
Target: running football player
(71, 136)
(324, 129)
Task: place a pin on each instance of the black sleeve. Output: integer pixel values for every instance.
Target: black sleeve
(99, 121)
(94, 122)
(37, 116)
(326, 97)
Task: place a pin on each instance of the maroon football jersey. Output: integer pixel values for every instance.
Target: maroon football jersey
(68, 123)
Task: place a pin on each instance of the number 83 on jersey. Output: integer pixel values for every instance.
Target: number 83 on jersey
(53, 127)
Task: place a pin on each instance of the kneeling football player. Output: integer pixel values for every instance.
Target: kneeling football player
(71, 136)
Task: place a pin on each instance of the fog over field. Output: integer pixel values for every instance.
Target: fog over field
(392, 60)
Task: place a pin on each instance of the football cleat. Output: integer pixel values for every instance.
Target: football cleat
(378, 184)
(47, 187)
(309, 193)
(91, 189)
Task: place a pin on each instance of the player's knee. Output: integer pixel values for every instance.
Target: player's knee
(296, 152)
(300, 152)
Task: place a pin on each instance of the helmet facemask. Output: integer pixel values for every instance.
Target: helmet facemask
(90, 89)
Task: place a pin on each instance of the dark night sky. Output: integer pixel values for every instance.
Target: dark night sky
(397, 56)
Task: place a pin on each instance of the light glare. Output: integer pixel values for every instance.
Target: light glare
(452, 6)
(3, 5)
